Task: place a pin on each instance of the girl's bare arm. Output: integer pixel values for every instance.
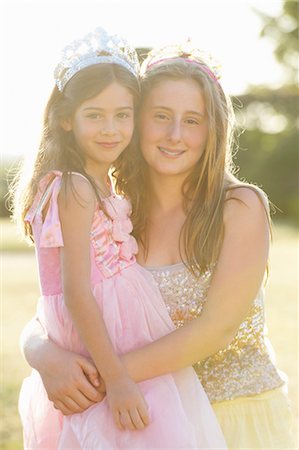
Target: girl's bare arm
(76, 210)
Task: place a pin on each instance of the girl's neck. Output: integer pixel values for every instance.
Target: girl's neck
(101, 179)
(166, 192)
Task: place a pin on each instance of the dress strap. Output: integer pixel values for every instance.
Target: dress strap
(48, 190)
(79, 174)
(42, 195)
(51, 233)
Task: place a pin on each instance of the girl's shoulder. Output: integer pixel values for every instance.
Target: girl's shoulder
(54, 186)
(246, 201)
(66, 185)
(76, 186)
(247, 194)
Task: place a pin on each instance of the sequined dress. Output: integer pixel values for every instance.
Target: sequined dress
(135, 314)
(241, 381)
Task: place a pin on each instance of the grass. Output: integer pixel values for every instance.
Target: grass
(20, 291)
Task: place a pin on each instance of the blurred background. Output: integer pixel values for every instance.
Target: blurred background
(256, 42)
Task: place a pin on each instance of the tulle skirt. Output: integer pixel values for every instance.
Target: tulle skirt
(259, 422)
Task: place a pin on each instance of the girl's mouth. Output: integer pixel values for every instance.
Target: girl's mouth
(108, 144)
(171, 153)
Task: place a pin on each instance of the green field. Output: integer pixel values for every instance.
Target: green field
(20, 291)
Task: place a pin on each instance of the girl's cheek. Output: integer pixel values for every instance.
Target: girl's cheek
(151, 130)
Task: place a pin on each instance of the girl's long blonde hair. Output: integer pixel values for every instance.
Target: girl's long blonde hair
(58, 149)
(205, 189)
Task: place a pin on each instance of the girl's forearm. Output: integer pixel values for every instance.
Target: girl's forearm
(38, 350)
(90, 324)
(183, 347)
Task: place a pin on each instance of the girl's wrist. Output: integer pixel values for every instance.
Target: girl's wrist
(113, 377)
(113, 370)
(48, 356)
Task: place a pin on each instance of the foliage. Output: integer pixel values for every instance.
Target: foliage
(283, 30)
(268, 152)
(268, 149)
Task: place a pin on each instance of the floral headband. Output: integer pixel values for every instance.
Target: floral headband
(186, 53)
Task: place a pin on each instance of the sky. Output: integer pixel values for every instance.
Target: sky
(34, 32)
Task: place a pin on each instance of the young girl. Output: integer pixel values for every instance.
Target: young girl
(205, 240)
(95, 299)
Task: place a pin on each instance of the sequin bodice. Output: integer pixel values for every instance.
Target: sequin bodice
(244, 367)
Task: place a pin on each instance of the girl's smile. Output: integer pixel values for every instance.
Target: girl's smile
(103, 127)
(173, 126)
(171, 153)
(108, 144)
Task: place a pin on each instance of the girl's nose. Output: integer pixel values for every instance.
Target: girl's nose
(109, 127)
(175, 132)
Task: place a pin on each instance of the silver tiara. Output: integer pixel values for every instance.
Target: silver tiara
(97, 47)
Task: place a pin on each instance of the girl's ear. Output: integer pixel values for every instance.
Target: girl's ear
(66, 124)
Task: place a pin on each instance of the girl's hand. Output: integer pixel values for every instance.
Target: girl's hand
(127, 404)
(72, 383)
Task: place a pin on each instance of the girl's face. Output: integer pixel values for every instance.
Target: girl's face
(173, 127)
(103, 127)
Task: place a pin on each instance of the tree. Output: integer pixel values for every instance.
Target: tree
(283, 31)
(268, 153)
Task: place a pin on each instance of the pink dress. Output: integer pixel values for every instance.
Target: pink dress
(135, 314)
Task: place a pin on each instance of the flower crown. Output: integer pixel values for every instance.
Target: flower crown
(97, 47)
(184, 52)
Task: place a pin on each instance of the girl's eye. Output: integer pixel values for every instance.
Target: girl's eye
(94, 116)
(123, 115)
(192, 121)
(161, 116)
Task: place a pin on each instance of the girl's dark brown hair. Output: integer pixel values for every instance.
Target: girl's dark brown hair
(58, 149)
